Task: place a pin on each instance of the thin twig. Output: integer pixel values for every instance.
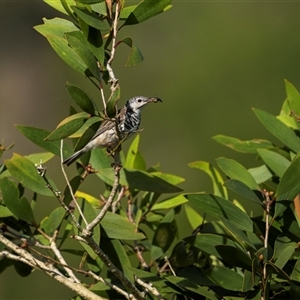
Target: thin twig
(60, 257)
(116, 202)
(112, 76)
(42, 172)
(149, 287)
(268, 203)
(68, 183)
(113, 269)
(100, 216)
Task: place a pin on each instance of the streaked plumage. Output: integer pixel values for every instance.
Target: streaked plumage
(129, 119)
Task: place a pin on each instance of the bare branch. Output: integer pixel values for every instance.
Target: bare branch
(42, 172)
(149, 287)
(112, 76)
(69, 185)
(49, 270)
(97, 220)
(60, 257)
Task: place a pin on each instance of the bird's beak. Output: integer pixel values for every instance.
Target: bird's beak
(154, 99)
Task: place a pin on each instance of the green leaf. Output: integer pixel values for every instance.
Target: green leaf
(89, 133)
(235, 170)
(67, 54)
(237, 233)
(283, 133)
(284, 248)
(169, 203)
(95, 42)
(57, 27)
(235, 257)
(226, 278)
(289, 186)
(214, 175)
(293, 97)
(147, 9)
(242, 189)
(90, 1)
(81, 46)
(164, 236)
(171, 178)
(37, 158)
(37, 136)
(260, 174)
(118, 227)
(54, 220)
(58, 5)
(19, 207)
(216, 206)
(91, 18)
(100, 160)
(136, 56)
(208, 242)
(4, 211)
(112, 102)
(296, 271)
(276, 162)
(249, 146)
(189, 285)
(68, 126)
(194, 218)
(126, 11)
(132, 153)
(89, 214)
(95, 202)
(26, 173)
(74, 183)
(137, 179)
(81, 99)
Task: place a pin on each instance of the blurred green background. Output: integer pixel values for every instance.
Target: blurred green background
(209, 61)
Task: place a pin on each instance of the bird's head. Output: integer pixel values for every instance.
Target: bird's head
(136, 103)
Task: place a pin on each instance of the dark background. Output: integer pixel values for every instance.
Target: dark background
(209, 61)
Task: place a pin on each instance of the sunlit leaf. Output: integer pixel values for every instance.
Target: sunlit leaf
(276, 162)
(68, 126)
(214, 175)
(147, 9)
(285, 134)
(61, 47)
(235, 170)
(250, 146)
(216, 206)
(26, 173)
(118, 227)
(38, 135)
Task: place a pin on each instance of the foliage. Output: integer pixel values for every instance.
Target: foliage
(133, 250)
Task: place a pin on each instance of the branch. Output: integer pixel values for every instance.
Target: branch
(149, 287)
(112, 76)
(42, 172)
(60, 257)
(112, 268)
(100, 216)
(69, 185)
(49, 270)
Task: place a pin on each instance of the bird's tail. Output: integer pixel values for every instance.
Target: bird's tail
(72, 158)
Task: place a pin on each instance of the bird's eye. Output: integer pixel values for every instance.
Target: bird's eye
(139, 100)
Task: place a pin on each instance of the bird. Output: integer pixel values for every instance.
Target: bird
(108, 136)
